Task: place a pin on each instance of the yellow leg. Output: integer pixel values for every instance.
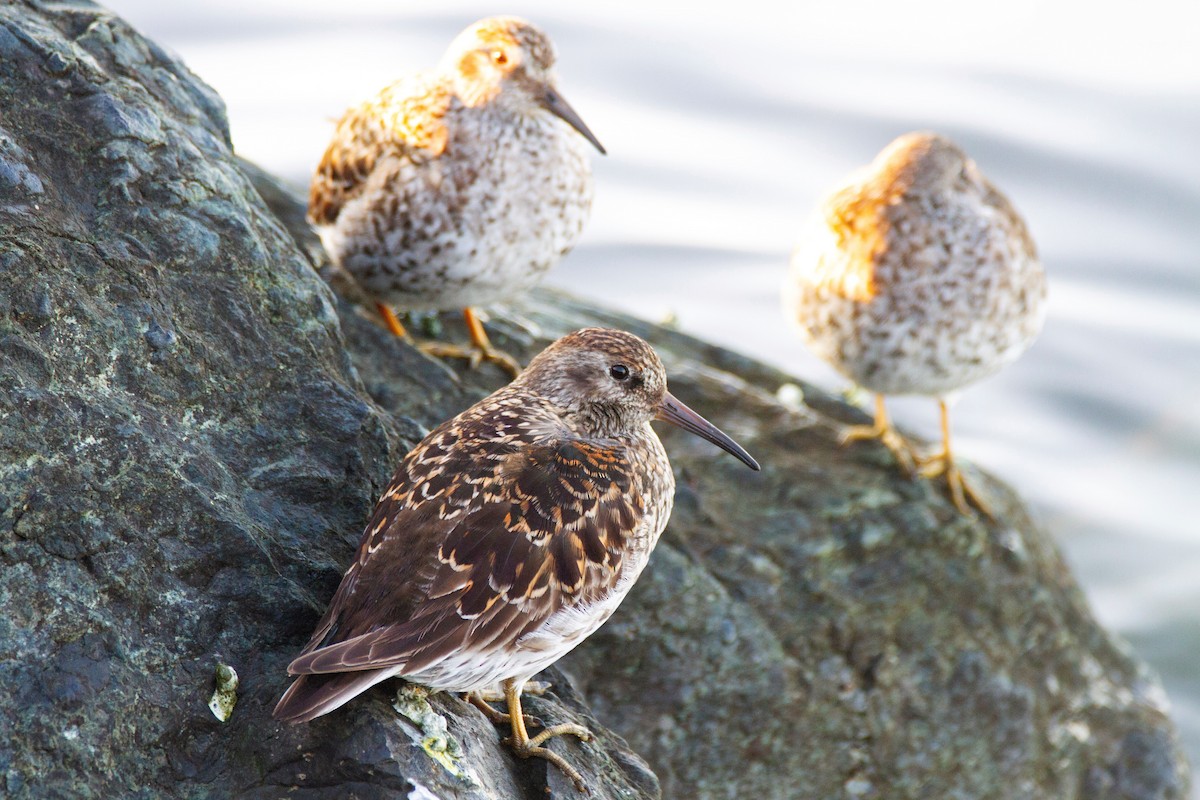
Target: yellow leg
(389, 319)
(961, 492)
(886, 433)
(481, 347)
(481, 700)
(526, 747)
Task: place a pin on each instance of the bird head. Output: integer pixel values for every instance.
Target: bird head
(925, 164)
(609, 382)
(510, 62)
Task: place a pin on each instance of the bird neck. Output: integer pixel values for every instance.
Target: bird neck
(602, 421)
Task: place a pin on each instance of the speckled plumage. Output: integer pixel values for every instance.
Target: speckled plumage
(460, 186)
(509, 534)
(917, 276)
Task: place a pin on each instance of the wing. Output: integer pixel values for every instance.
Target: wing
(406, 121)
(850, 236)
(465, 557)
(1013, 224)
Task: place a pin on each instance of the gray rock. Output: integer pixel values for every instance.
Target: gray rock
(187, 456)
(193, 430)
(825, 628)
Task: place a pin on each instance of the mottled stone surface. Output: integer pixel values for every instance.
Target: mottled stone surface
(828, 629)
(187, 456)
(193, 430)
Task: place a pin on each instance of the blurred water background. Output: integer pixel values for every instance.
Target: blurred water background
(726, 123)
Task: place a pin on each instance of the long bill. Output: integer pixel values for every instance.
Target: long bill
(557, 105)
(672, 411)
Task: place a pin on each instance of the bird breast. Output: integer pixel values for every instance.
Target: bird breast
(930, 302)
(481, 222)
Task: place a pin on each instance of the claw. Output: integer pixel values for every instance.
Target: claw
(494, 714)
(962, 493)
(887, 435)
(480, 350)
(526, 747)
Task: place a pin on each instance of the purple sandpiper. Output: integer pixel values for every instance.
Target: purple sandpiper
(917, 276)
(507, 536)
(457, 187)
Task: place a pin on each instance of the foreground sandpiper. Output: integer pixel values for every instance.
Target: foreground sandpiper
(507, 536)
(457, 187)
(917, 276)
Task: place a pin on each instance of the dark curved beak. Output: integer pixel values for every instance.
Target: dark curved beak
(672, 411)
(556, 105)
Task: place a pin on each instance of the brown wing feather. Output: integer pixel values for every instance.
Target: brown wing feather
(404, 121)
(454, 550)
(310, 696)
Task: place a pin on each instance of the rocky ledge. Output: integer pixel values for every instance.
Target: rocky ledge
(193, 429)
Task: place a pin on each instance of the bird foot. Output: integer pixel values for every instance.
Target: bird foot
(474, 355)
(532, 748)
(497, 717)
(962, 493)
(889, 437)
(526, 746)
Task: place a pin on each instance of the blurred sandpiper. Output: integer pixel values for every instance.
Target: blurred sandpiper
(917, 276)
(457, 187)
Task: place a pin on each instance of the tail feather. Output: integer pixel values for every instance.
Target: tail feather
(310, 696)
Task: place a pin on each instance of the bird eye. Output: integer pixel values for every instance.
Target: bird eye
(499, 57)
(619, 371)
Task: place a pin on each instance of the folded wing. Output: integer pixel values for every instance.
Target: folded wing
(457, 558)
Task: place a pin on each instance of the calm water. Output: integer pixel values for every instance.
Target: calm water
(724, 129)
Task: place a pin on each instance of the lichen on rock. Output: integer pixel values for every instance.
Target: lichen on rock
(431, 730)
(224, 697)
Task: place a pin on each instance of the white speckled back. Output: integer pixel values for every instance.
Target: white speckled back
(482, 222)
(917, 292)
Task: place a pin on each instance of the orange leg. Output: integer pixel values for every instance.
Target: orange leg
(479, 336)
(961, 492)
(389, 319)
(481, 347)
(526, 747)
(497, 716)
(886, 433)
